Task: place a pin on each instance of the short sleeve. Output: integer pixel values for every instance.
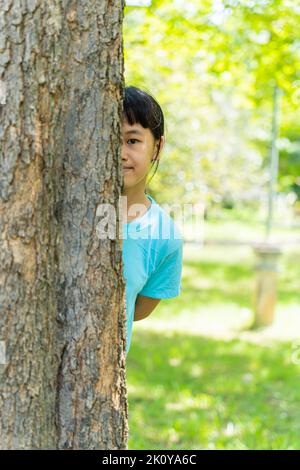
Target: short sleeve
(165, 281)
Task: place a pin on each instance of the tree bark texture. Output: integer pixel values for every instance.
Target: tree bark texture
(62, 314)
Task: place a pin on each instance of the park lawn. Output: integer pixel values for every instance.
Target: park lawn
(233, 225)
(199, 379)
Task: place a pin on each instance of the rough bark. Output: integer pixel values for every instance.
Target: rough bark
(62, 314)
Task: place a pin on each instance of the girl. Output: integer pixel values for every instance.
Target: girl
(152, 243)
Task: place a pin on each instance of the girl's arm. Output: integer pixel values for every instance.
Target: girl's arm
(144, 306)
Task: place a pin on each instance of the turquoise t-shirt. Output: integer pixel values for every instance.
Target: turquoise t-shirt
(152, 259)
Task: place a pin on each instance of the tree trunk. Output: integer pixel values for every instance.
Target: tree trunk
(62, 317)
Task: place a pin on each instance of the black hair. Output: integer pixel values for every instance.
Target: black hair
(142, 108)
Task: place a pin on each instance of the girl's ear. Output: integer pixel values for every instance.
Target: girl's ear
(162, 143)
(159, 145)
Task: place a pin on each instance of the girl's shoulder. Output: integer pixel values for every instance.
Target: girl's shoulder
(164, 229)
(155, 230)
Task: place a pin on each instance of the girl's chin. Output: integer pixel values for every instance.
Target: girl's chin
(128, 183)
(128, 175)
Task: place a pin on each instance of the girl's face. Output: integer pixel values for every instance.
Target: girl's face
(138, 149)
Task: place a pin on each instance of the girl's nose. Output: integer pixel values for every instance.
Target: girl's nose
(123, 153)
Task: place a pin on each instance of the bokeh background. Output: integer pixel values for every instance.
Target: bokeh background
(200, 374)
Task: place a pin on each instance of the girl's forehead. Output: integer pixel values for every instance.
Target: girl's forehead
(134, 128)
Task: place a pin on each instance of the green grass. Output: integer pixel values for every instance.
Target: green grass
(199, 379)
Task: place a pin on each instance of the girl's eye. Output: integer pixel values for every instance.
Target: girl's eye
(132, 140)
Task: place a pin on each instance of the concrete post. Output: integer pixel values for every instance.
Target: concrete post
(266, 283)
